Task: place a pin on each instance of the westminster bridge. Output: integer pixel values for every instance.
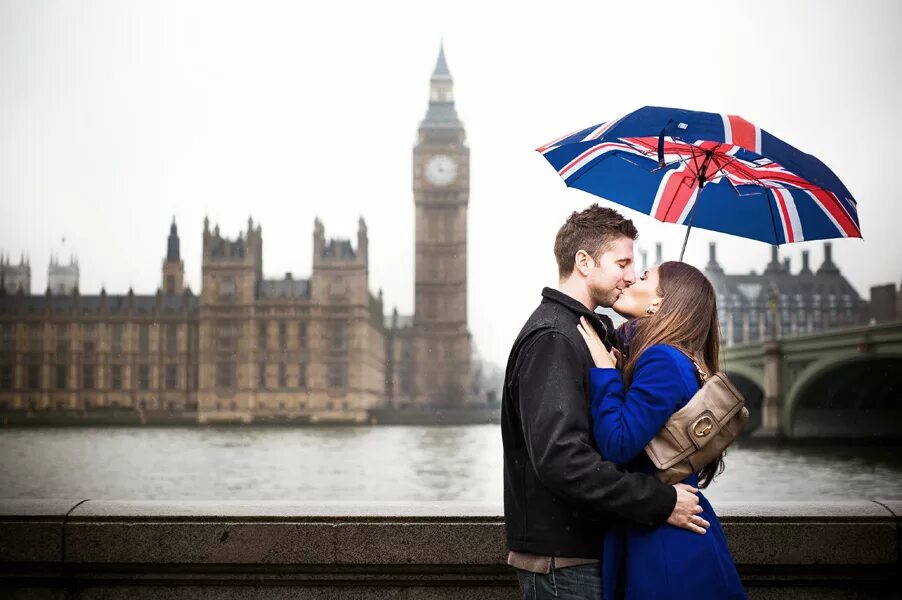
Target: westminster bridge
(840, 383)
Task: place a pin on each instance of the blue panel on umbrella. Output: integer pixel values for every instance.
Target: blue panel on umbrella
(816, 225)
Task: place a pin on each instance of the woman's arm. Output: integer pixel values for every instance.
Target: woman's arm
(624, 422)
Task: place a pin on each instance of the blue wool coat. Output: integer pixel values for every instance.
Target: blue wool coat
(664, 562)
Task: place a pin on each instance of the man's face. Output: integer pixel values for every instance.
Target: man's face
(612, 273)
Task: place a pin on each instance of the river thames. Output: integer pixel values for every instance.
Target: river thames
(371, 464)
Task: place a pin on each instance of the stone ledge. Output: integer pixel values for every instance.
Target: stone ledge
(228, 549)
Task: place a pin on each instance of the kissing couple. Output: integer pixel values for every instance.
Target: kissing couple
(585, 516)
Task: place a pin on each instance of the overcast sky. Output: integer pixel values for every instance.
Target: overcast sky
(116, 116)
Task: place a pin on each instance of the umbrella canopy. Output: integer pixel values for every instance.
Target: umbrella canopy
(714, 171)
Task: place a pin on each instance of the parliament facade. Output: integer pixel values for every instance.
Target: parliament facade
(247, 348)
(779, 303)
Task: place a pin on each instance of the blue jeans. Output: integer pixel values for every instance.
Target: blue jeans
(570, 583)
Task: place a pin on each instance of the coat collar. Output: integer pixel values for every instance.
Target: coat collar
(574, 305)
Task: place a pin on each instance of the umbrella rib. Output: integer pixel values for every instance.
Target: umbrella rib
(771, 209)
(683, 183)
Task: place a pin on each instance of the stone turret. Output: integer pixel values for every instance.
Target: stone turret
(806, 269)
(828, 267)
(14, 277)
(713, 267)
(173, 266)
(774, 267)
(62, 278)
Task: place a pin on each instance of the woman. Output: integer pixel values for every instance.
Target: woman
(659, 377)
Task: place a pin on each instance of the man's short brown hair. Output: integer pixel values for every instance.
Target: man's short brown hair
(593, 230)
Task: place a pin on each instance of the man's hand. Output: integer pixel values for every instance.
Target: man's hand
(685, 513)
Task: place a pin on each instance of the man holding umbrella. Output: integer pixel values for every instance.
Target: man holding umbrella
(559, 493)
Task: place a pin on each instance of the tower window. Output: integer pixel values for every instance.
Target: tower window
(261, 335)
(9, 338)
(302, 376)
(87, 377)
(61, 376)
(144, 338)
(116, 339)
(143, 377)
(171, 377)
(302, 335)
(34, 377)
(338, 375)
(225, 374)
(34, 331)
(226, 332)
(283, 335)
(116, 377)
(62, 339)
(87, 338)
(337, 334)
(172, 338)
(227, 287)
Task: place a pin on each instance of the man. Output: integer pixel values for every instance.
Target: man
(558, 491)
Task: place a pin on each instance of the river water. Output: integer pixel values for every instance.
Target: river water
(371, 464)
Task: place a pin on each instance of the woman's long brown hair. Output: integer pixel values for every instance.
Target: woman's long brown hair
(687, 320)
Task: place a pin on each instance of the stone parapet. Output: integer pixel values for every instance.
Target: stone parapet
(140, 549)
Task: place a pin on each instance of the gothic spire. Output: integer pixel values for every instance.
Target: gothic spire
(441, 66)
(172, 251)
(441, 113)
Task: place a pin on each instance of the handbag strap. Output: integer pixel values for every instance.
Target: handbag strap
(702, 376)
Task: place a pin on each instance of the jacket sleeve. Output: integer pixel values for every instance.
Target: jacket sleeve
(624, 422)
(555, 418)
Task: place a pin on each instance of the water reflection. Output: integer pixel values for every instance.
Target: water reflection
(371, 464)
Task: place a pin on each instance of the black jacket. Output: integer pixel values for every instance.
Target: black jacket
(558, 491)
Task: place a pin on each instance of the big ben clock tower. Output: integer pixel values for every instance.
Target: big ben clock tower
(441, 189)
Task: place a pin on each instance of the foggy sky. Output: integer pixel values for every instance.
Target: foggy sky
(116, 116)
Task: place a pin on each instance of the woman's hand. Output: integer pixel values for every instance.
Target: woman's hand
(602, 358)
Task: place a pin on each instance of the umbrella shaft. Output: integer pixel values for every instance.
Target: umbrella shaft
(685, 239)
(701, 186)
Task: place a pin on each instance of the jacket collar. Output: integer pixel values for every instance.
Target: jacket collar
(574, 305)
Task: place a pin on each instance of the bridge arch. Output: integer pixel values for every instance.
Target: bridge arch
(754, 375)
(816, 373)
(750, 382)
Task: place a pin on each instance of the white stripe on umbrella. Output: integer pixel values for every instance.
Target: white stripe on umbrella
(792, 228)
(826, 211)
(690, 204)
(727, 129)
(576, 165)
(663, 185)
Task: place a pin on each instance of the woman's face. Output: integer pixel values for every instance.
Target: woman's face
(635, 300)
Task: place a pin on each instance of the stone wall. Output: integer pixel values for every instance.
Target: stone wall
(57, 549)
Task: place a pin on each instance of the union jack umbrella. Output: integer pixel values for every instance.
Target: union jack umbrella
(714, 171)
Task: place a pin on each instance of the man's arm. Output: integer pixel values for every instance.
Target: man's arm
(556, 424)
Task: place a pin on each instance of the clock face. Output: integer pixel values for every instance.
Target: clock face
(441, 170)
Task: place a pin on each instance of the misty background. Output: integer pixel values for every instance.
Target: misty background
(117, 116)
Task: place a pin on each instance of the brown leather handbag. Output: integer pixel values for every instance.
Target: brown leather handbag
(697, 433)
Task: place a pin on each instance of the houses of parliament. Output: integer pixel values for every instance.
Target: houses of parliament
(247, 348)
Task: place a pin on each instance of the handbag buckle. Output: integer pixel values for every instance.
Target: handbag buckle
(702, 426)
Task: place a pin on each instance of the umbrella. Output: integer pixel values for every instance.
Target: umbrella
(713, 171)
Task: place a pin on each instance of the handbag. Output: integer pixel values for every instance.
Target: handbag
(699, 432)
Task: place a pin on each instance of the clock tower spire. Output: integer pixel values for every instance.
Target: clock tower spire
(441, 189)
(441, 113)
